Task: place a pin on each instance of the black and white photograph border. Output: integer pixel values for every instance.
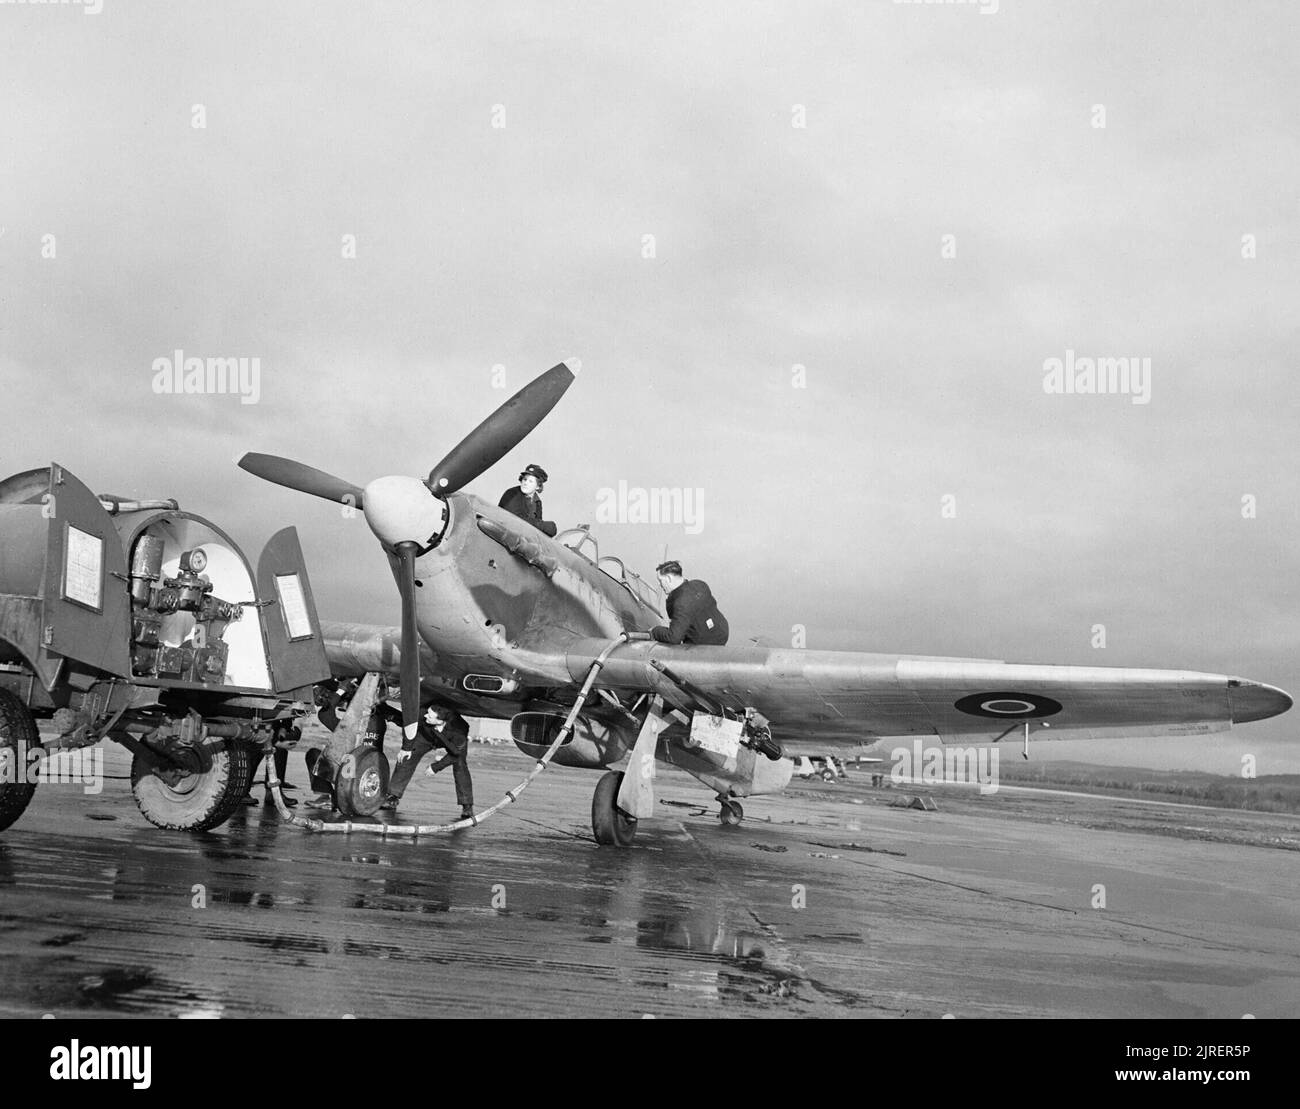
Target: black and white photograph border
(821, 477)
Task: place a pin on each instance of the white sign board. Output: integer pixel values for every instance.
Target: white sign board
(716, 734)
(294, 606)
(83, 569)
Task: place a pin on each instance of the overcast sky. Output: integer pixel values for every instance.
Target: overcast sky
(500, 167)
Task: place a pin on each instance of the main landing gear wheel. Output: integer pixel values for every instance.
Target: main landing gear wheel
(363, 781)
(828, 775)
(195, 792)
(18, 736)
(611, 824)
(731, 813)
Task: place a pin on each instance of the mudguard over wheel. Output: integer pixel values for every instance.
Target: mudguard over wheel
(18, 735)
(197, 796)
(611, 825)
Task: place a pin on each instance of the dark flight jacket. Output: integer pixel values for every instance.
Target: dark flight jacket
(452, 737)
(693, 617)
(526, 508)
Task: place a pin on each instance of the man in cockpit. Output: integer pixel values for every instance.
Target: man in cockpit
(693, 615)
(525, 500)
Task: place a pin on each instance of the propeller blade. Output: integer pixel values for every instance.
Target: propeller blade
(306, 479)
(410, 641)
(501, 431)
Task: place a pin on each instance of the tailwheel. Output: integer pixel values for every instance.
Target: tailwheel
(611, 824)
(193, 788)
(731, 813)
(363, 781)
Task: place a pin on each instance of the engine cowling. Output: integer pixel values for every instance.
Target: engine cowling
(593, 744)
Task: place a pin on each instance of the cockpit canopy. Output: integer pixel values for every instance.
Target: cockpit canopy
(582, 542)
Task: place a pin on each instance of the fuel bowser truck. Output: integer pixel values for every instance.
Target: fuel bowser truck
(134, 622)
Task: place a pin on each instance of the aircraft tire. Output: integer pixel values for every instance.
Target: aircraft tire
(17, 733)
(828, 775)
(731, 814)
(612, 826)
(195, 802)
(362, 784)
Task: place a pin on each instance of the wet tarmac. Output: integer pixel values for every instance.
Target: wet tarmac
(826, 902)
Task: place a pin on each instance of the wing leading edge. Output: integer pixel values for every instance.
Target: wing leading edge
(842, 696)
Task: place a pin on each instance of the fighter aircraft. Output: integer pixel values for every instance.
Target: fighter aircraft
(499, 620)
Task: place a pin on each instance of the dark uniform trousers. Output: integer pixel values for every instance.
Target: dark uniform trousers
(452, 737)
(283, 732)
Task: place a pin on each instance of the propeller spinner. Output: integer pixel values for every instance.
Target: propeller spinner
(408, 515)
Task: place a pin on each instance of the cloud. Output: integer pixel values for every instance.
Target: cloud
(775, 246)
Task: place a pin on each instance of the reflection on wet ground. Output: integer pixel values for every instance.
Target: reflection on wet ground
(811, 908)
(524, 916)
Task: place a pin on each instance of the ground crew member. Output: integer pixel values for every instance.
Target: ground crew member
(443, 728)
(525, 500)
(284, 735)
(330, 697)
(693, 615)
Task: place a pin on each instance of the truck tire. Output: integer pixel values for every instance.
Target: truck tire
(243, 772)
(18, 735)
(195, 802)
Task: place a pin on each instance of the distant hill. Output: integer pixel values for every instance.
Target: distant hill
(1268, 793)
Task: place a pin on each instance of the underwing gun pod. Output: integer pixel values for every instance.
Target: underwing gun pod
(723, 752)
(727, 747)
(134, 621)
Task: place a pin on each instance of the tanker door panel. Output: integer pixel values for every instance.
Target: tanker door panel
(86, 605)
(293, 636)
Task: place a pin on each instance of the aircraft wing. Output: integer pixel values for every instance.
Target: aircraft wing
(356, 649)
(845, 697)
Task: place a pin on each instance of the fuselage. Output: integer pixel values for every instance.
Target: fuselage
(497, 599)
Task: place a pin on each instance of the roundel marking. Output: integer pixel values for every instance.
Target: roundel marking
(1008, 706)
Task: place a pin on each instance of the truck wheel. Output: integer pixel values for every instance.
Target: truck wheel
(194, 797)
(18, 735)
